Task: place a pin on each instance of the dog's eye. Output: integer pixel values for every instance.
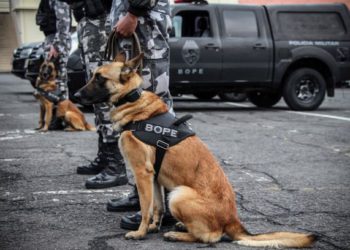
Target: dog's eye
(99, 78)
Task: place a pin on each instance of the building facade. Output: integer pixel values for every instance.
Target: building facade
(17, 25)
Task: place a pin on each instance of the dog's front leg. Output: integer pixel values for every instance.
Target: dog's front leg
(48, 116)
(144, 183)
(158, 208)
(41, 117)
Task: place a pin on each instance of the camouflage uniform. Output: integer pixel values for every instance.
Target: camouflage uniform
(92, 39)
(153, 31)
(61, 40)
(108, 165)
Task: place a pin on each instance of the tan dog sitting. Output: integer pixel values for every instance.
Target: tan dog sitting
(66, 110)
(201, 196)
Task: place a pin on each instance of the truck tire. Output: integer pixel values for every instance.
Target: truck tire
(264, 99)
(204, 95)
(233, 96)
(304, 89)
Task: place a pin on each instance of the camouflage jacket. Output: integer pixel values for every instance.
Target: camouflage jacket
(154, 24)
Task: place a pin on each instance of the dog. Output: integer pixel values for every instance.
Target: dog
(201, 197)
(65, 110)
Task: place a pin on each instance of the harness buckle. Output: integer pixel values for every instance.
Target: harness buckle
(162, 144)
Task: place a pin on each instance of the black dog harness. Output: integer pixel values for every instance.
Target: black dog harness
(161, 131)
(52, 96)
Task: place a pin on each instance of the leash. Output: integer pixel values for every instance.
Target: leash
(112, 48)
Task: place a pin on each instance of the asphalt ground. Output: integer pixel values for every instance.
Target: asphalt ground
(290, 171)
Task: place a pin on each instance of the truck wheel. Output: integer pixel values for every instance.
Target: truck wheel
(304, 89)
(264, 99)
(233, 96)
(204, 95)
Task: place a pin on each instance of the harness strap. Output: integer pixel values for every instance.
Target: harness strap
(52, 97)
(163, 145)
(161, 148)
(112, 48)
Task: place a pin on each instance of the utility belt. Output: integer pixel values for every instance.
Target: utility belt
(78, 15)
(91, 9)
(162, 131)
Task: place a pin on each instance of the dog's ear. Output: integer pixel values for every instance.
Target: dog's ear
(120, 57)
(135, 62)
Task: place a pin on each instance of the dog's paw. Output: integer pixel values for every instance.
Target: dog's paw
(43, 129)
(153, 228)
(135, 235)
(170, 236)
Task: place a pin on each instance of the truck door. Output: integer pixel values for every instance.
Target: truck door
(195, 47)
(247, 47)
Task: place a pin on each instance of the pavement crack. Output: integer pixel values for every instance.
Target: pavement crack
(268, 218)
(100, 242)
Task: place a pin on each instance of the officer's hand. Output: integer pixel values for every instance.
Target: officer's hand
(53, 52)
(126, 26)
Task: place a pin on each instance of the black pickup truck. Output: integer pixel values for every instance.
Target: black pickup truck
(296, 51)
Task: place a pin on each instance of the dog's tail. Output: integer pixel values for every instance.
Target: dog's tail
(89, 127)
(274, 240)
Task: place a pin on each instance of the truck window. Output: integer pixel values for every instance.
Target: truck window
(311, 25)
(240, 23)
(191, 24)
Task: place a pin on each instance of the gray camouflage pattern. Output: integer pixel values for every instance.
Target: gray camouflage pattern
(153, 31)
(92, 39)
(61, 40)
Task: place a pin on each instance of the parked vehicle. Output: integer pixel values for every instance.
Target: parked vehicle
(296, 51)
(20, 56)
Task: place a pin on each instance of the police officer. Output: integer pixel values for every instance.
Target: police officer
(54, 19)
(151, 21)
(108, 167)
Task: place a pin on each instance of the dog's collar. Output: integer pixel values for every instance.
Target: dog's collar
(132, 96)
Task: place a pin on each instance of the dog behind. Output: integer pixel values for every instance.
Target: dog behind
(65, 110)
(201, 196)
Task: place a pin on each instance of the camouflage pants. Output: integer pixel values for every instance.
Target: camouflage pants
(61, 64)
(92, 40)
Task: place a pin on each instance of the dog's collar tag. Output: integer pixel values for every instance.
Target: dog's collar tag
(132, 96)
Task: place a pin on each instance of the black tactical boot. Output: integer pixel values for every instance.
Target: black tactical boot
(114, 174)
(132, 222)
(129, 203)
(98, 164)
